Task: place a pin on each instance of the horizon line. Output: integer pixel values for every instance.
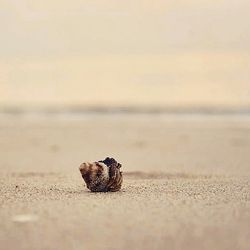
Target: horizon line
(125, 110)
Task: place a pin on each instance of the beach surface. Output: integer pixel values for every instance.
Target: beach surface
(186, 182)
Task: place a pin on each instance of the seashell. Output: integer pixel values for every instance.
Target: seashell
(102, 176)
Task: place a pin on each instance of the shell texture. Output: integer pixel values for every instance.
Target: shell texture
(102, 176)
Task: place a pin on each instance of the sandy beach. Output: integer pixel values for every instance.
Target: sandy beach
(186, 182)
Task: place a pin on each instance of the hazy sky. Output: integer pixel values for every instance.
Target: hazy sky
(116, 52)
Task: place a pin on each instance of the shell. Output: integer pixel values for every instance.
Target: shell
(102, 176)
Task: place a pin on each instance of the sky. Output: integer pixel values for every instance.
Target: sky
(125, 53)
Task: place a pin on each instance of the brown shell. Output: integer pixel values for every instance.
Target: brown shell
(102, 176)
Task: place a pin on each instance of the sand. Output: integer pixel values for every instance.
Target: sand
(186, 182)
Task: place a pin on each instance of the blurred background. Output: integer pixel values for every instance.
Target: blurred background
(126, 54)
